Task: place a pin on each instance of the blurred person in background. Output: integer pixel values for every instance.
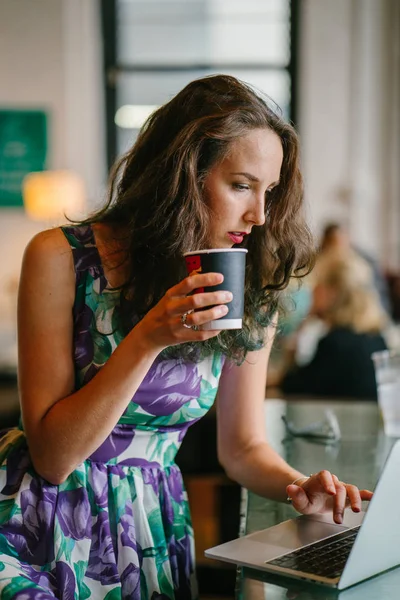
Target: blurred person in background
(347, 303)
(114, 365)
(335, 239)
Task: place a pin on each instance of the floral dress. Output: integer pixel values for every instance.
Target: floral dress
(119, 527)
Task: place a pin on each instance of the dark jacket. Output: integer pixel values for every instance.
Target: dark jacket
(342, 367)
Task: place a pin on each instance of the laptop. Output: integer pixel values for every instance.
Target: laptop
(313, 548)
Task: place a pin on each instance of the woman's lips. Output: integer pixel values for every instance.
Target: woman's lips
(236, 236)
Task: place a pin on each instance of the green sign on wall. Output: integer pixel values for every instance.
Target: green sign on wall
(23, 149)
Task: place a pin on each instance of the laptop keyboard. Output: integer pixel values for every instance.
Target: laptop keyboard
(326, 558)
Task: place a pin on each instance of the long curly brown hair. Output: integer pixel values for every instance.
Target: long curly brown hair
(156, 194)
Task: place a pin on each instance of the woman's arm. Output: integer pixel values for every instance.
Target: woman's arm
(63, 426)
(248, 458)
(242, 446)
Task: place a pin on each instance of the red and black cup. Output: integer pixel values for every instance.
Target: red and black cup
(231, 262)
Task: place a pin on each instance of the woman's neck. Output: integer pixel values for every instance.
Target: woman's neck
(111, 243)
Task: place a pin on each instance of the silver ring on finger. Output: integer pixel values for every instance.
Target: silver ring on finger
(184, 318)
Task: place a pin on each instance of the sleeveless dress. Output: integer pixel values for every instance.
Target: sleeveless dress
(119, 527)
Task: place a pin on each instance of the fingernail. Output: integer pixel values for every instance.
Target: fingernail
(223, 310)
(228, 296)
(338, 518)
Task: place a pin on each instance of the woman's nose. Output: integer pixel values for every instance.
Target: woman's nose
(256, 212)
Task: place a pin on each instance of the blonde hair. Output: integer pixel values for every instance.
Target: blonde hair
(356, 302)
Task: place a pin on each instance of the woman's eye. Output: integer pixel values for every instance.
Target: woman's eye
(240, 186)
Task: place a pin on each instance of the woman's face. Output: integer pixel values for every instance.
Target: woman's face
(236, 188)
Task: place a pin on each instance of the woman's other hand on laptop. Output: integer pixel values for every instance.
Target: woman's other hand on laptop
(323, 492)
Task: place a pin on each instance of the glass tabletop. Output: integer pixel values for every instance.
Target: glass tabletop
(357, 457)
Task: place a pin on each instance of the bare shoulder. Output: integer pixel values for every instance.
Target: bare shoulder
(48, 262)
(50, 244)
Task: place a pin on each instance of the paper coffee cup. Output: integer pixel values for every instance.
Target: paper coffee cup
(231, 262)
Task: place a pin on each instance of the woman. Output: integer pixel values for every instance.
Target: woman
(346, 301)
(113, 368)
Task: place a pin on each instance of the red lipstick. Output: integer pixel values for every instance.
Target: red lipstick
(236, 236)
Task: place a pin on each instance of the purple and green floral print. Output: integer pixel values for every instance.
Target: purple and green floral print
(119, 526)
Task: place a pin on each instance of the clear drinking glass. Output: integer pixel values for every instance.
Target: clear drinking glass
(387, 373)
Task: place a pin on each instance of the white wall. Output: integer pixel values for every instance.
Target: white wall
(324, 79)
(50, 58)
(349, 119)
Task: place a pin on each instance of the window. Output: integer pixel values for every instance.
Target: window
(153, 48)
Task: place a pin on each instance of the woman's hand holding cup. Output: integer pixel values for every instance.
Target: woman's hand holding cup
(231, 262)
(184, 308)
